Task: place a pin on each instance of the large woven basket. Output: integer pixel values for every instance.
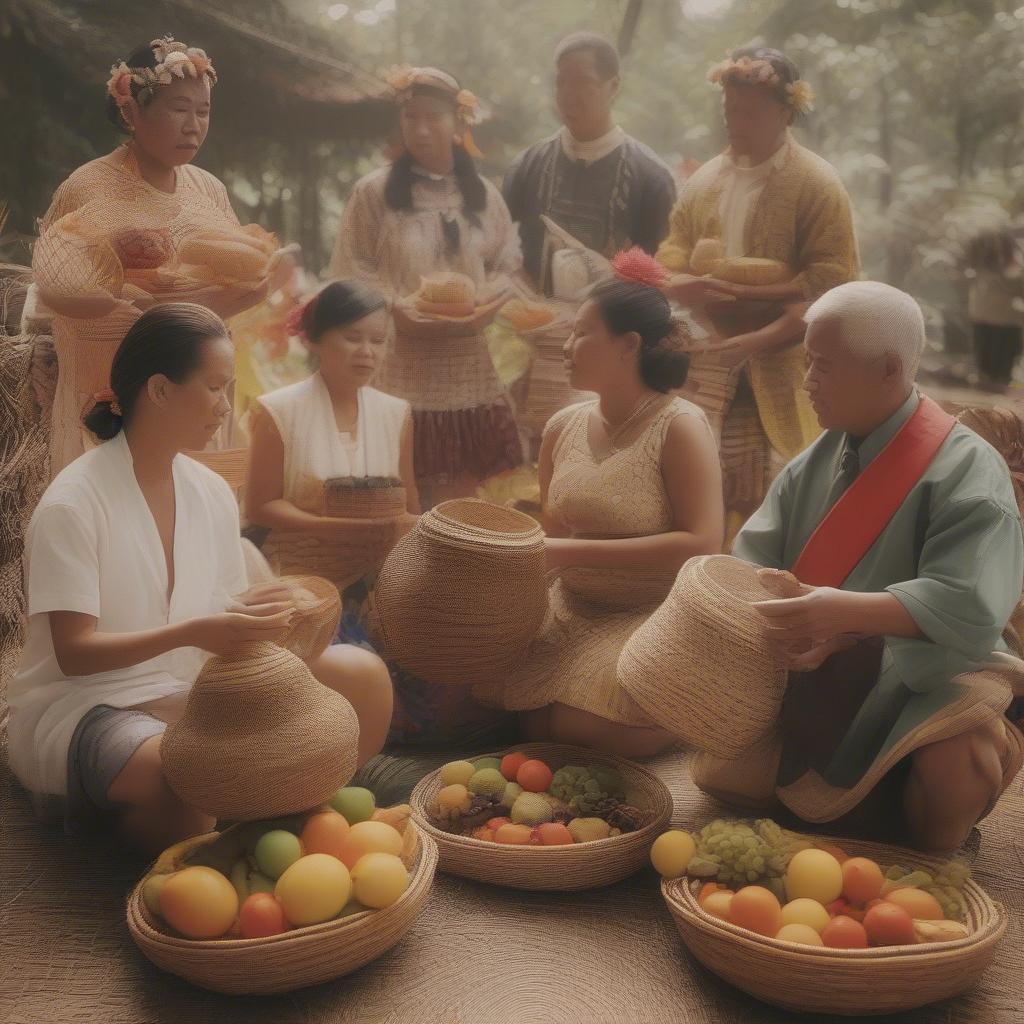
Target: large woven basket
(462, 596)
(294, 959)
(851, 982)
(702, 665)
(316, 618)
(364, 497)
(550, 868)
(259, 737)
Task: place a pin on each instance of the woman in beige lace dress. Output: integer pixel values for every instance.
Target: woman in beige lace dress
(631, 489)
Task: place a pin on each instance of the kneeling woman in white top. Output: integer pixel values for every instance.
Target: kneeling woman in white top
(332, 424)
(134, 568)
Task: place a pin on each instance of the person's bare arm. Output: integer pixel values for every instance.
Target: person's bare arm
(81, 650)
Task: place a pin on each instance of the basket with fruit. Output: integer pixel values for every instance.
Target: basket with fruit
(542, 817)
(807, 924)
(271, 906)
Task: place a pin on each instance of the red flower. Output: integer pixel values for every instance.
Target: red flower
(636, 265)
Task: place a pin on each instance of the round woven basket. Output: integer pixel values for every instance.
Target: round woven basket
(462, 596)
(294, 959)
(316, 618)
(851, 982)
(260, 737)
(364, 497)
(550, 868)
(702, 665)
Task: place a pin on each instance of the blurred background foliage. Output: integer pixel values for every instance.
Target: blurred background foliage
(918, 102)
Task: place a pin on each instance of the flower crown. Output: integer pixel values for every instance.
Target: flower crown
(403, 81)
(756, 71)
(173, 59)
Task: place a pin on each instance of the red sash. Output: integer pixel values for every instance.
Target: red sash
(858, 518)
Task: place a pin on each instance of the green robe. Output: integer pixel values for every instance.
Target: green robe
(952, 555)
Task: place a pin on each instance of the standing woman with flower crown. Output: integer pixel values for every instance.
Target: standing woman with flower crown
(766, 196)
(431, 211)
(141, 225)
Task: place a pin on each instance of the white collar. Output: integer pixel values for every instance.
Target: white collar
(773, 163)
(593, 150)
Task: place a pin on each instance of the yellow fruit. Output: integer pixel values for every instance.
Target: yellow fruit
(378, 879)
(457, 772)
(719, 904)
(586, 830)
(454, 798)
(917, 903)
(397, 817)
(671, 852)
(199, 902)
(151, 893)
(814, 874)
(370, 837)
(799, 933)
(807, 912)
(313, 889)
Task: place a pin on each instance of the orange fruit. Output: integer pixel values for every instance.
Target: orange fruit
(199, 902)
(888, 925)
(554, 833)
(862, 879)
(534, 776)
(844, 933)
(917, 903)
(513, 835)
(325, 832)
(511, 763)
(755, 908)
(719, 904)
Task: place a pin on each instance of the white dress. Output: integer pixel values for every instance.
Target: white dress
(93, 547)
(315, 450)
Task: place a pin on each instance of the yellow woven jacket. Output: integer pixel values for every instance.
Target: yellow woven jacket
(802, 218)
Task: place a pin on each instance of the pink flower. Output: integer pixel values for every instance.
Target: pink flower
(119, 85)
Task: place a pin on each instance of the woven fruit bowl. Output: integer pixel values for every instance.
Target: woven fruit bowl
(568, 868)
(293, 959)
(850, 982)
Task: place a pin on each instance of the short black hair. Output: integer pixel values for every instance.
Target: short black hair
(338, 304)
(606, 57)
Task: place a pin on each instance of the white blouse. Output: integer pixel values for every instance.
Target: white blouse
(742, 185)
(315, 450)
(93, 547)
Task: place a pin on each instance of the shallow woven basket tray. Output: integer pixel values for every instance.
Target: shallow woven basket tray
(852, 982)
(305, 956)
(554, 868)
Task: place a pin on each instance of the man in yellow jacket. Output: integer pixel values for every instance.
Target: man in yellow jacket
(758, 233)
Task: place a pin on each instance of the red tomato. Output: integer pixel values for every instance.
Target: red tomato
(510, 764)
(844, 933)
(534, 776)
(495, 823)
(261, 915)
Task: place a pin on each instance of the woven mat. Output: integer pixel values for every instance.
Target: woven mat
(478, 955)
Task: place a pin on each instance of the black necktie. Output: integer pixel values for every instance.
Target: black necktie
(849, 467)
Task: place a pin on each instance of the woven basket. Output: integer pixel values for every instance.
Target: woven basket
(281, 963)
(851, 982)
(364, 497)
(316, 618)
(550, 868)
(230, 463)
(702, 665)
(462, 596)
(260, 737)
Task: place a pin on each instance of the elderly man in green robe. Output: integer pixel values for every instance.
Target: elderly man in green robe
(894, 543)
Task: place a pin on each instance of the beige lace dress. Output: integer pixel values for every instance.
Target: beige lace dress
(593, 612)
